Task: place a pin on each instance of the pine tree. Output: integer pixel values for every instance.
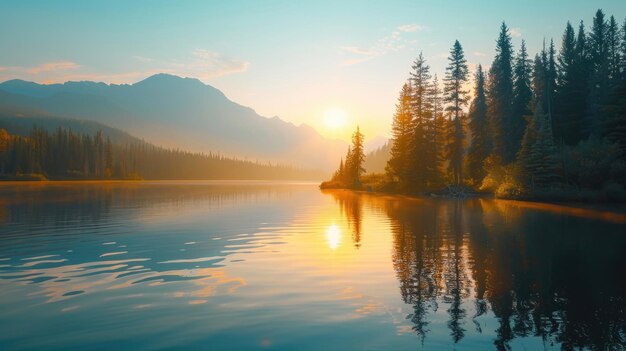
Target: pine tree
(500, 97)
(615, 126)
(436, 135)
(355, 158)
(347, 166)
(598, 90)
(402, 131)
(538, 82)
(521, 96)
(479, 148)
(583, 55)
(551, 86)
(536, 158)
(544, 81)
(623, 48)
(420, 79)
(456, 98)
(571, 95)
(524, 160)
(613, 50)
(544, 164)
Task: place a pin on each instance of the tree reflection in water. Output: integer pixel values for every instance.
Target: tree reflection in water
(546, 274)
(351, 208)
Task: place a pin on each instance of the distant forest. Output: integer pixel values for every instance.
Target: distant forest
(64, 154)
(542, 126)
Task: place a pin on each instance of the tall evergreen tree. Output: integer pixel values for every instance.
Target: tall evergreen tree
(544, 79)
(551, 82)
(598, 90)
(420, 79)
(456, 98)
(355, 158)
(437, 134)
(479, 148)
(500, 97)
(347, 167)
(402, 131)
(623, 48)
(524, 156)
(571, 95)
(536, 158)
(521, 95)
(615, 125)
(614, 50)
(544, 164)
(538, 82)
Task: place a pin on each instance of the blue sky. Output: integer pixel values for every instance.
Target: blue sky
(294, 59)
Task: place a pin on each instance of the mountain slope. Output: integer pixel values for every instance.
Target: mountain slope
(177, 112)
(376, 160)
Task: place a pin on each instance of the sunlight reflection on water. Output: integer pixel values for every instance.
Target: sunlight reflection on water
(333, 236)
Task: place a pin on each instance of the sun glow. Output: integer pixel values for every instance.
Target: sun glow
(335, 118)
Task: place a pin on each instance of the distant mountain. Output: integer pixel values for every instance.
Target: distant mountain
(176, 112)
(376, 160)
(375, 143)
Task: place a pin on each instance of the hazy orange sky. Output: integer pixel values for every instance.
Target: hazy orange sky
(296, 60)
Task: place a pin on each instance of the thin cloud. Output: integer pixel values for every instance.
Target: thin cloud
(358, 51)
(515, 32)
(209, 64)
(54, 66)
(479, 54)
(201, 63)
(143, 59)
(21, 71)
(410, 28)
(390, 43)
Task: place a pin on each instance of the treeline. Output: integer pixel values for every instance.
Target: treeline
(64, 154)
(547, 125)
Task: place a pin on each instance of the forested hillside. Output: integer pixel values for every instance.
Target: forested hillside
(64, 154)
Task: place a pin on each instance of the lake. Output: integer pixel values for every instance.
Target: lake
(284, 266)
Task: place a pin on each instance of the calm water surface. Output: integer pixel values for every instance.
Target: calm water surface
(254, 266)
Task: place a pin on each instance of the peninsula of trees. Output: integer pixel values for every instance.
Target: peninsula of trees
(549, 126)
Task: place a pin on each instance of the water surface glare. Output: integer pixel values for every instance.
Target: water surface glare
(283, 266)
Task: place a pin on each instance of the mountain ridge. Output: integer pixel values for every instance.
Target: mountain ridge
(178, 112)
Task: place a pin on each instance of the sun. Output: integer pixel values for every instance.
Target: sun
(335, 118)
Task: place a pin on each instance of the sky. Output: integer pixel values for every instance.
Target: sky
(313, 62)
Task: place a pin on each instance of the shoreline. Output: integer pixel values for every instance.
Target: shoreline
(611, 208)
